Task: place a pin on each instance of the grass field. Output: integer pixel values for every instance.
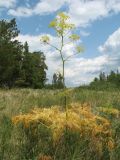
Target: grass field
(20, 143)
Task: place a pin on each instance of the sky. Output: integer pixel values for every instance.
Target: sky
(97, 22)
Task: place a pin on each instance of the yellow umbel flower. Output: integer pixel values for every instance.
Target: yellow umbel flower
(45, 39)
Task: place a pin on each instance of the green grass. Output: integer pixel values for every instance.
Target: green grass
(14, 144)
(17, 101)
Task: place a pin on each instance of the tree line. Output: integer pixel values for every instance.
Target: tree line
(18, 66)
(104, 81)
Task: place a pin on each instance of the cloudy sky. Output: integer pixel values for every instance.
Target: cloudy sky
(98, 24)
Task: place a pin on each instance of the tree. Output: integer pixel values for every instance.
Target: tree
(60, 81)
(54, 81)
(25, 54)
(18, 66)
(95, 79)
(57, 81)
(26, 48)
(34, 70)
(64, 31)
(111, 80)
(112, 77)
(102, 76)
(10, 53)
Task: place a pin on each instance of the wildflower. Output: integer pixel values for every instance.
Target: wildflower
(45, 39)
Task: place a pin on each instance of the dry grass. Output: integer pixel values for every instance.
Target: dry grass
(99, 115)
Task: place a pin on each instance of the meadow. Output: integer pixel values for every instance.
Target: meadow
(99, 138)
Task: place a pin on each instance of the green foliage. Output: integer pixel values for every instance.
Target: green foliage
(74, 37)
(33, 70)
(104, 82)
(10, 53)
(18, 66)
(79, 49)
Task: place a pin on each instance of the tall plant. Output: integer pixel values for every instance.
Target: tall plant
(65, 32)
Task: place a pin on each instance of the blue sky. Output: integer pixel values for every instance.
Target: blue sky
(98, 24)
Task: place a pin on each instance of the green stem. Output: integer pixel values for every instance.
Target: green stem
(64, 73)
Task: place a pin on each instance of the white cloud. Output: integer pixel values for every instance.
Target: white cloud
(82, 12)
(112, 48)
(112, 44)
(48, 6)
(84, 33)
(7, 3)
(33, 41)
(83, 70)
(21, 12)
(42, 7)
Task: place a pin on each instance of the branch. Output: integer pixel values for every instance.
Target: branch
(53, 46)
(62, 44)
(60, 50)
(67, 33)
(67, 43)
(70, 56)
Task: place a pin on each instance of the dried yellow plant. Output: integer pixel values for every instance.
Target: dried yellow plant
(44, 157)
(110, 111)
(77, 118)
